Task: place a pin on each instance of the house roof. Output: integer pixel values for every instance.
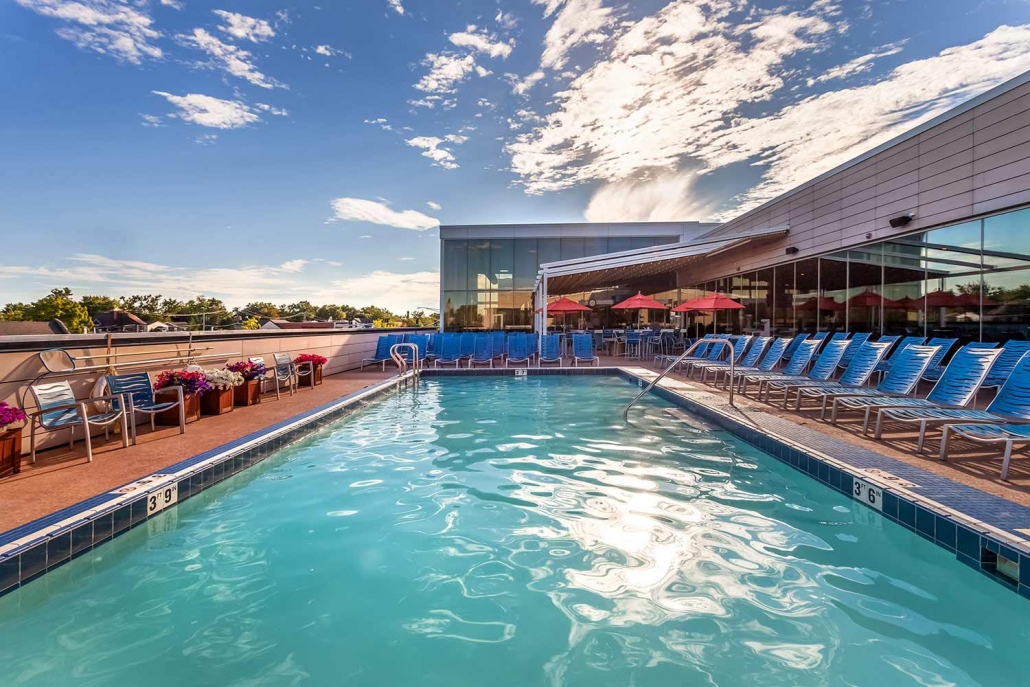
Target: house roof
(54, 326)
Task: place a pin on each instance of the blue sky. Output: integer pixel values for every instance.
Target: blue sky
(279, 150)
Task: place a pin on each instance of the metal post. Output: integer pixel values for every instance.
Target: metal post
(727, 346)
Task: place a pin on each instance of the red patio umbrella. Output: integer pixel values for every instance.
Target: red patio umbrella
(564, 305)
(717, 301)
(638, 303)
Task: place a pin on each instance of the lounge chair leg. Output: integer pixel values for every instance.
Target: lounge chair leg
(945, 435)
(71, 437)
(922, 435)
(879, 424)
(153, 427)
(1005, 462)
(32, 441)
(125, 430)
(182, 417)
(833, 412)
(89, 444)
(865, 424)
(822, 411)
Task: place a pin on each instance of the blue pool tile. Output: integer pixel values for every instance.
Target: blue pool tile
(907, 513)
(33, 561)
(926, 523)
(968, 543)
(1024, 569)
(58, 549)
(990, 545)
(890, 504)
(973, 563)
(1009, 553)
(10, 572)
(138, 512)
(183, 487)
(122, 519)
(82, 538)
(103, 528)
(945, 533)
(847, 483)
(196, 483)
(1024, 590)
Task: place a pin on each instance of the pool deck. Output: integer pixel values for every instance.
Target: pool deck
(62, 476)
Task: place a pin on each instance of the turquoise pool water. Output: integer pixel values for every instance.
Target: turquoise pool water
(510, 532)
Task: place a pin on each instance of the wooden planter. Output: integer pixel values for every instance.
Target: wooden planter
(317, 374)
(217, 402)
(247, 394)
(10, 452)
(191, 405)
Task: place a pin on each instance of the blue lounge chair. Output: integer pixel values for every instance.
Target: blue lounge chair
(550, 352)
(936, 368)
(821, 338)
(467, 345)
(935, 371)
(855, 377)
(450, 351)
(956, 388)
(989, 434)
(788, 352)
(500, 344)
(699, 353)
(140, 397)
(897, 384)
(58, 409)
(1011, 353)
(713, 353)
(382, 355)
(854, 343)
(433, 348)
(421, 342)
(748, 359)
(797, 364)
(837, 336)
(518, 350)
(484, 351)
(767, 364)
(583, 350)
(885, 364)
(824, 367)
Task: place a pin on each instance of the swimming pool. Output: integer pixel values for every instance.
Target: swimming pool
(511, 531)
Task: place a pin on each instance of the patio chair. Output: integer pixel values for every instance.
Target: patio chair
(988, 434)
(140, 397)
(768, 362)
(788, 352)
(798, 362)
(824, 367)
(518, 350)
(713, 353)
(739, 346)
(854, 343)
(885, 364)
(936, 367)
(583, 350)
(936, 370)
(855, 376)
(500, 341)
(700, 353)
(484, 351)
(421, 342)
(450, 351)
(382, 355)
(282, 373)
(433, 347)
(467, 345)
(550, 352)
(1011, 353)
(821, 338)
(58, 409)
(898, 384)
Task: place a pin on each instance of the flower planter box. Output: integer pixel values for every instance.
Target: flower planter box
(217, 402)
(317, 374)
(248, 393)
(10, 452)
(191, 405)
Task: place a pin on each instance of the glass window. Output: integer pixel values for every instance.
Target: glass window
(571, 249)
(783, 300)
(526, 265)
(762, 294)
(953, 284)
(1006, 306)
(1007, 240)
(740, 290)
(548, 250)
(502, 264)
(455, 265)
(522, 310)
(478, 264)
(617, 245)
(865, 289)
(454, 307)
(833, 292)
(806, 292)
(596, 246)
(641, 242)
(904, 282)
(479, 314)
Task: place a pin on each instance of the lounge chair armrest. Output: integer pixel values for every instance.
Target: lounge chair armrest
(112, 397)
(54, 409)
(306, 364)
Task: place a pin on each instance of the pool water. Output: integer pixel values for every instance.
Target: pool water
(511, 531)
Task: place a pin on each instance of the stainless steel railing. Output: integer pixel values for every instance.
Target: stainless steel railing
(402, 362)
(727, 346)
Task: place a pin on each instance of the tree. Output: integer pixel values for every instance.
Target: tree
(60, 304)
(144, 306)
(13, 312)
(97, 304)
(333, 312)
(251, 324)
(301, 311)
(374, 313)
(260, 309)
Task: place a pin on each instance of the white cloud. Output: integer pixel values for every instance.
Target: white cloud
(577, 22)
(293, 265)
(243, 27)
(360, 210)
(365, 236)
(406, 258)
(118, 29)
(446, 70)
(381, 123)
(692, 88)
(506, 20)
(858, 65)
(430, 146)
(480, 40)
(206, 139)
(396, 6)
(174, 4)
(330, 51)
(152, 121)
(277, 111)
(669, 198)
(433, 205)
(456, 139)
(230, 58)
(520, 86)
(208, 111)
(395, 291)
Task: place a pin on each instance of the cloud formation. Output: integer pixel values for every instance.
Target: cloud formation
(395, 291)
(480, 40)
(396, 6)
(360, 210)
(229, 58)
(209, 111)
(118, 29)
(430, 145)
(242, 27)
(576, 22)
(446, 70)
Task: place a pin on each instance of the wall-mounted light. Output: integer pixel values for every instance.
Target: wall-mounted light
(901, 220)
(793, 250)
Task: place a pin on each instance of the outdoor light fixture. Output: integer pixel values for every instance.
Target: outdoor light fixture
(792, 250)
(902, 220)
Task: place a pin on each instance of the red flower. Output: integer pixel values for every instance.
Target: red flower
(313, 358)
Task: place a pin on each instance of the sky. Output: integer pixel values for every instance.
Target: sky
(279, 151)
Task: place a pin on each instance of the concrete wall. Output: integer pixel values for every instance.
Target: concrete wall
(974, 161)
(20, 365)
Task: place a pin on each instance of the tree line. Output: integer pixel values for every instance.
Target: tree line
(79, 313)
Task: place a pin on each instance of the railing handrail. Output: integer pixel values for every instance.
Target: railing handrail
(401, 361)
(727, 346)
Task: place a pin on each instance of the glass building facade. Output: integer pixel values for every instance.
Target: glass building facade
(970, 280)
(488, 283)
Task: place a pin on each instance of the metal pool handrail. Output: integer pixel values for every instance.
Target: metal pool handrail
(727, 346)
(402, 363)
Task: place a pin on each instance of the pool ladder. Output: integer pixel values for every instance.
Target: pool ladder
(402, 362)
(727, 346)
